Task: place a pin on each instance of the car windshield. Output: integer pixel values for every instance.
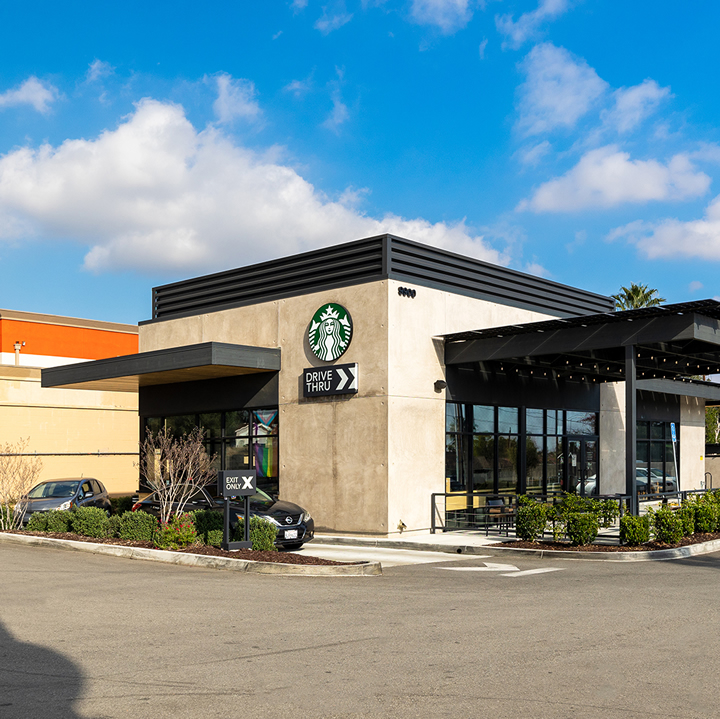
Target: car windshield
(259, 500)
(50, 490)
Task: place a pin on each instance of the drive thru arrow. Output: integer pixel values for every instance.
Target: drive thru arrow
(343, 380)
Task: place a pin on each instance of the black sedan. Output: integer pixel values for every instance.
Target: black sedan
(64, 494)
(294, 524)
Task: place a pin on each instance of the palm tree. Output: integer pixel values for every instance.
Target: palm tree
(635, 297)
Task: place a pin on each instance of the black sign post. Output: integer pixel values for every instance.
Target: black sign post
(238, 483)
(332, 380)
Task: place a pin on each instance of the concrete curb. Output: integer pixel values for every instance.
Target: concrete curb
(365, 569)
(640, 556)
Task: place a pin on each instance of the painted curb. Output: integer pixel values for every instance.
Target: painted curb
(640, 556)
(365, 569)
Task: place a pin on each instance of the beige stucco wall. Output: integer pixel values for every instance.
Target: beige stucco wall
(59, 422)
(359, 463)
(612, 438)
(692, 443)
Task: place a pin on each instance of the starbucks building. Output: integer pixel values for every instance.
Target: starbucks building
(364, 378)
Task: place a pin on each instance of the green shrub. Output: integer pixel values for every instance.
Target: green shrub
(582, 528)
(667, 526)
(214, 537)
(178, 533)
(262, 533)
(37, 523)
(530, 522)
(706, 516)
(634, 530)
(59, 520)
(137, 526)
(206, 521)
(120, 505)
(687, 518)
(90, 522)
(114, 526)
(608, 511)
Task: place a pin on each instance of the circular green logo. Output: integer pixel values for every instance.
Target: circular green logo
(330, 332)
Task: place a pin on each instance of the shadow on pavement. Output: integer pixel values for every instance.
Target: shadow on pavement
(36, 681)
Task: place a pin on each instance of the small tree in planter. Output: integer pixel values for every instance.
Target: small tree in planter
(19, 473)
(175, 468)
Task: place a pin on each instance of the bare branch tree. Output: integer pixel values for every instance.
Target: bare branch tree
(19, 473)
(175, 468)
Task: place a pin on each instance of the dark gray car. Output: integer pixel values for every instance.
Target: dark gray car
(64, 494)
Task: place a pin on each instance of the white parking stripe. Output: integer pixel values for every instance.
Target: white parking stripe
(527, 572)
(489, 567)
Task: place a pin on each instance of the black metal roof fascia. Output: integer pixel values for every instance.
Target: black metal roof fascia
(407, 255)
(534, 342)
(367, 260)
(174, 358)
(703, 390)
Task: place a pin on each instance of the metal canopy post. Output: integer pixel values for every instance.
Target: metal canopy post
(631, 427)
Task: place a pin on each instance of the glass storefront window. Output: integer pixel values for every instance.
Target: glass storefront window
(554, 464)
(210, 424)
(656, 460)
(237, 453)
(554, 421)
(153, 425)
(265, 422)
(534, 421)
(265, 450)
(534, 464)
(454, 417)
(580, 422)
(507, 420)
(483, 418)
(507, 463)
(237, 424)
(180, 424)
(656, 430)
(483, 479)
(455, 461)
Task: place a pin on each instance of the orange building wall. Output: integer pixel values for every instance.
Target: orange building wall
(62, 341)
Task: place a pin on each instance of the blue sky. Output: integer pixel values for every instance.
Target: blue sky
(142, 143)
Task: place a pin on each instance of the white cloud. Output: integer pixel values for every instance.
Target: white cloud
(558, 91)
(672, 238)
(299, 87)
(532, 155)
(695, 286)
(528, 23)
(40, 95)
(333, 18)
(339, 113)
(298, 5)
(98, 69)
(447, 15)
(236, 98)
(156, 194)
(607, 177)
(634, 104)
(482, 47)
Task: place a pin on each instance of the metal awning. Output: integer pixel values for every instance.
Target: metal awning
(128, 373)
(672, 342)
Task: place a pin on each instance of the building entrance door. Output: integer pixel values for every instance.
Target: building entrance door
(582, 465)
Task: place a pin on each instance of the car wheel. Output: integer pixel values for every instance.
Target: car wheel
(291, 547)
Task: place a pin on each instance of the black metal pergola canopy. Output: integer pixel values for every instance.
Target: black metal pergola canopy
(207, 360)
(669, 348)
(672, 342)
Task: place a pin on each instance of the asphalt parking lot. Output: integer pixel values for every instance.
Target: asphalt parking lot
(96, 636)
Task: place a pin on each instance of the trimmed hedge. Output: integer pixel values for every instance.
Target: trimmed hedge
(582, 528)
(634, 530)
(137, 526)
(37, 522)
(90, 522)
(667, 526)
(59, 520)
(530, 522)
(706, 517)
(120, 505)
(262, 533)
(178, 533)
(207, 521)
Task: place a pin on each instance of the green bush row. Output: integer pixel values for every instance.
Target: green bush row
(199, 527)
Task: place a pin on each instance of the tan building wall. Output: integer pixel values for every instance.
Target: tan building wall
(359, 463)
(612, 438)
(692, 443)
(64, 426)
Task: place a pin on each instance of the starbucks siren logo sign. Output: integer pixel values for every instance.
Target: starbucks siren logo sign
(330, 332)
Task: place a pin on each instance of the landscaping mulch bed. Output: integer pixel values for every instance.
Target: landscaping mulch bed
(650, 546)
(251, 554)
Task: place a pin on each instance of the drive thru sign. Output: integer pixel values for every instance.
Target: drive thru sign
(238, 483)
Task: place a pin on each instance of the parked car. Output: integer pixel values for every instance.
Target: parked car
(641, 481)
(64, 494)
(294, 524)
